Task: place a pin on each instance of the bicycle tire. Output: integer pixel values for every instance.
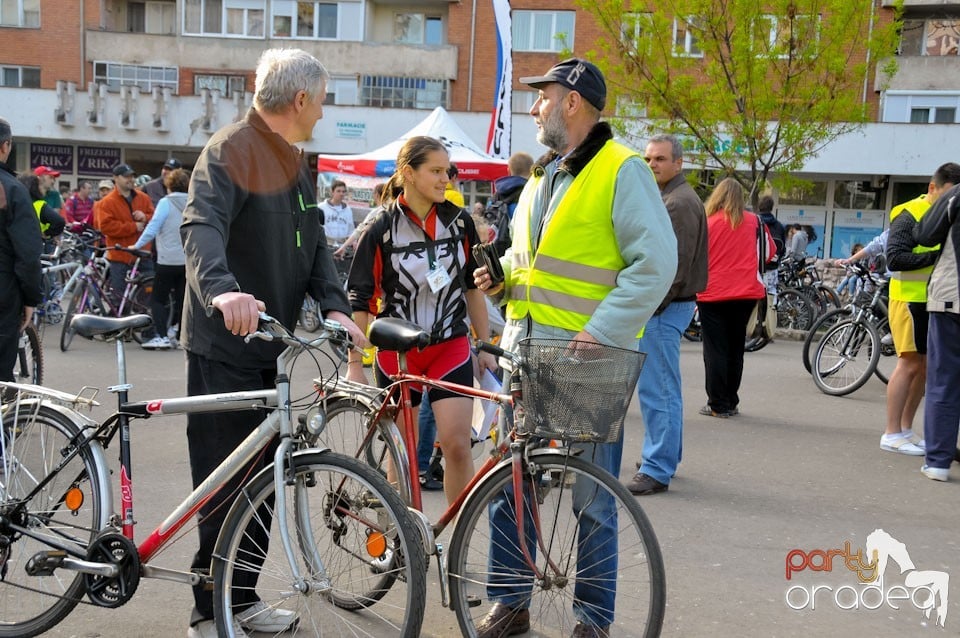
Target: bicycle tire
(795, 311)
(888, 353)
(829, 295)
(347, 422)
(335, 501)
(139, 304)
(33, 441)
(640, 581)
(823, 322)
(78, 304)
(838, 367)
(30, 357)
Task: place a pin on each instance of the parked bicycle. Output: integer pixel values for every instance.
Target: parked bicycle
(94, 296)
(537, 479)
(340, 540)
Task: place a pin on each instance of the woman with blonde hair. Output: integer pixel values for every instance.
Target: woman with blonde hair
(734, 284)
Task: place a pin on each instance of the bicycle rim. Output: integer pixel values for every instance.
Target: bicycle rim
(32, 445)
(633, 566)
(359, 582)
(846, 357)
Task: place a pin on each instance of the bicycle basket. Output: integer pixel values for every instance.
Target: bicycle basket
(577, 396)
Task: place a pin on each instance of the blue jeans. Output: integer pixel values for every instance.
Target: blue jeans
(594, 594)
(941, 408)
(659, 391)
(427, 425)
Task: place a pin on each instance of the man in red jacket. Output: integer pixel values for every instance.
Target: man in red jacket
(121, 216)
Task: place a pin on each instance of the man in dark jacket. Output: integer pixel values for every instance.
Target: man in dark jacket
(253, 242)
(155, 189)
(20, 248)
(661, 399)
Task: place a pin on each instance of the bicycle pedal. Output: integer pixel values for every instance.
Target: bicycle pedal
(45, 563)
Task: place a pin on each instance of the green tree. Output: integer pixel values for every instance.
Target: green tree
(754, 88)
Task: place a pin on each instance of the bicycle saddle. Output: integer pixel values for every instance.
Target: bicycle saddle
(390, 333)
(109, 327)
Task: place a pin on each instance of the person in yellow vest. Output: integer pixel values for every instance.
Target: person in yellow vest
(51, 223)
(593, 255)
(910, 266)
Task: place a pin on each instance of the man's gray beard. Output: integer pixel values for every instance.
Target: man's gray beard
(553, 133)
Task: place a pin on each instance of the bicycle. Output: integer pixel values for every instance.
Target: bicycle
(342, 539)
(850, 350)
(875, 303)
(93, 296)
(536, 470)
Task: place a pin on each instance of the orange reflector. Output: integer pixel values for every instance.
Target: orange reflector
(73, 499)
(376, 544)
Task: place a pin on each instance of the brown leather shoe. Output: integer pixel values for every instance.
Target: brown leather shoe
(503, 621)
(583, 630)
(642, 485)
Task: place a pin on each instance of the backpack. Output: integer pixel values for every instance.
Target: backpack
(498, 213)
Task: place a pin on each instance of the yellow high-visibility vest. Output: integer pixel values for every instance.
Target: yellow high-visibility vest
(911, 285)
(578, 259)
(37, 206)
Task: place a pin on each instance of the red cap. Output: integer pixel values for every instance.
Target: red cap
(46, 170)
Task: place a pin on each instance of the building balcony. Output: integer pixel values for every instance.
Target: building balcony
(923, 73)
(340, 57)
(922, 4)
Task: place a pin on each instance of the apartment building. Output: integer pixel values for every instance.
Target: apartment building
(89, 83)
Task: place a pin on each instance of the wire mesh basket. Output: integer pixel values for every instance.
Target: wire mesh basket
(576, 391)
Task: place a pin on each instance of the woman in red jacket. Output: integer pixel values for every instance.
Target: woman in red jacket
(733, 286)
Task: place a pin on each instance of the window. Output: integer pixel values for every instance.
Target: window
(543, 30)
(404, 93)
(20, 13)
(306, 20)
(226, 84)
(25, 77)
(685, 41)
(522, 101)
(635, 27)
(152, 17)
(115, 75)
(933, 115)
(782, 37)
(417, 28)
(237, 18)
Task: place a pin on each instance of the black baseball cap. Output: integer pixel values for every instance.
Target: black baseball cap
(123, 169)
(172, 163)
(576, 74)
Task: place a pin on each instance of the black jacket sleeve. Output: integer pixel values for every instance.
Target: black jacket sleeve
(52, 217)
(26, 243)
(935, 225)
(900, 245)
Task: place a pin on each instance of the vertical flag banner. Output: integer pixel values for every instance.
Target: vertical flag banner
(498, 136)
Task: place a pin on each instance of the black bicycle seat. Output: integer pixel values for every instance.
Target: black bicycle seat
(390, 333)
(110, 327)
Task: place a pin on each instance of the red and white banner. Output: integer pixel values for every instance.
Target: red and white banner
(498, 136)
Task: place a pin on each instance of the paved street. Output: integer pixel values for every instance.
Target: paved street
(796, 470)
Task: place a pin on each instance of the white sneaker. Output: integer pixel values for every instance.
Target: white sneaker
(208, 629)
(263, 618)
(935, 473)
(900, 444)
(157, 343)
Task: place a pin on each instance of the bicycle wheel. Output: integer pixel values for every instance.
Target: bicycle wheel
(80, 302)
(563, 485)
(795, 311)
(356, 545)
(347, 422)
(888, 353)
(820, 326)
(29, 366)
(829, 295)
(846, 357)
(139, 304)
(33, 444)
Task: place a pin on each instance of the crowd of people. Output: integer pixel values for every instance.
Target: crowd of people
(599, 244)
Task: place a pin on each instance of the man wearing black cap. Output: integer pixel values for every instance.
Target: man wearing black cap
(593, 254)
(155, 188)
(121, 216)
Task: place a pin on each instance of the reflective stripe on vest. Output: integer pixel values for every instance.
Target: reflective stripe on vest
(578, 259)
(38, 206)
(911, 285)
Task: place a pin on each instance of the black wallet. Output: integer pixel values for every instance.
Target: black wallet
(486, 255)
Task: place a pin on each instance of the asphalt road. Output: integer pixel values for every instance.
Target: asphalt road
(796, 470)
